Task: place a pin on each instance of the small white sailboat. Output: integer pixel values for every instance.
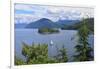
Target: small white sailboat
(51, 43)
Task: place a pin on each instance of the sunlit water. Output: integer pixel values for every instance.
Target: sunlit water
(66, 38)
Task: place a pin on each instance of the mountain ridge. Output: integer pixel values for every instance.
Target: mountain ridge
(44, 22)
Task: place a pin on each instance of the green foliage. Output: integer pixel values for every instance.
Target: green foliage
(48, 30)
(38, 54)
(62, 55)
(35, 53)
(83, 49)
(19, 61)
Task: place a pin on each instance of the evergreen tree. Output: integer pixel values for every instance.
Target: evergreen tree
(83, 50)
(38, 54)
(62, 55)
(35, 54)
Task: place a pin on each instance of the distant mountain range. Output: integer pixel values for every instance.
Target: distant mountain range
(67, 22)
(46, 23)
(63, 24)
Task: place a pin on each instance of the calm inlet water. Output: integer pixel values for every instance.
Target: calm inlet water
(66, 38)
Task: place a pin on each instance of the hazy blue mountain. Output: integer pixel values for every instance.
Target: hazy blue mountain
(50, 24)
(67, 22)
(20, 25)
(43, 23)
(63, 23)
(46, 23)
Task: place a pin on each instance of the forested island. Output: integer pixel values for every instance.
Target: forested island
(48, 30)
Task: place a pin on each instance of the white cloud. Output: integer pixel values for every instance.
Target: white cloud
(53, 13)
(25, 18)
(22, 7)
(71, 12)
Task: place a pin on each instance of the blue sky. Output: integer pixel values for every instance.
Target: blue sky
(26, 13)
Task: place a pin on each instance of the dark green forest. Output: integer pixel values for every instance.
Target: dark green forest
(77, 26)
